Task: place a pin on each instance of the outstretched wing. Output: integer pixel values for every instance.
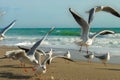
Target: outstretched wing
(111, 10)
(91, 15)
(32, 50)
(102, 32)
(24, 48)
(63, 57)
(3, 31)
(84, 25)
(101, 57)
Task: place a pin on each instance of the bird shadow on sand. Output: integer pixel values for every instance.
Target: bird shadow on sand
(112, 69)
(12, 66)
(9, 75)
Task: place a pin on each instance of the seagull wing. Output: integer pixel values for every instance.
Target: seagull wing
(91, 15)
(7, 28)
(84, 25)
(63, 57)
(24, 48)
(101, 57)
(32, 50)
(38, 57)
(111, 10)
(102, 32)
(20, 54)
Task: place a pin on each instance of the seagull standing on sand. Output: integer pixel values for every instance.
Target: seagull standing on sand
(89, 56)
(101, 8)
(41, 69)
(86, 39)
(66, 56)
(4, 30)
(104, 58)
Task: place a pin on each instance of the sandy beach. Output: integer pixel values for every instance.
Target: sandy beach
(58, 70)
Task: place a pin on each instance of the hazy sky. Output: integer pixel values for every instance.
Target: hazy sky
(47, 13)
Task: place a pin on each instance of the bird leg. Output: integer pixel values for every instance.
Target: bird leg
(87, 49)
(104, 63)
(80, 49)
(38, 76)
(25, 70)
(21, 64)
(88, 60)
(33, 68)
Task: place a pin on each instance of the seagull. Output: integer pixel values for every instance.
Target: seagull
(41, 69)
(89, 56)
(12, 54)
(104, 58)
(66, 56)
(4, 30)
(29, 57)
(101, 8)
(86, 39)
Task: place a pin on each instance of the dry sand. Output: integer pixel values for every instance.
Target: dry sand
(58, 70)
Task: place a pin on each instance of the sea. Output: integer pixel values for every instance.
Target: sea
(64, 38)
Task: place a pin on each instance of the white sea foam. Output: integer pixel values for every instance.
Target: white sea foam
(104, 41)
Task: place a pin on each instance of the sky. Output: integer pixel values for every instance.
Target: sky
(47, 13)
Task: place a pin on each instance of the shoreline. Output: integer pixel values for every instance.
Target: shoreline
(58, 70)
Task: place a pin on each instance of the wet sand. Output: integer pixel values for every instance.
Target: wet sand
(58, 70)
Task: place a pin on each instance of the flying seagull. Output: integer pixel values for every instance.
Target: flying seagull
(101, 8)
(86, 39)
(29, 57)
(41, 69)
(4, 30)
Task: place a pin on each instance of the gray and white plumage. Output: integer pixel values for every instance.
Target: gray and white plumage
(66, 56)
(49, 57)
(41, 68)
(104, 58)
(102, 8)
(86, 40)
(30, 56)
(89, 56)
(4, 30)
(12, 54)
(40, 51)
